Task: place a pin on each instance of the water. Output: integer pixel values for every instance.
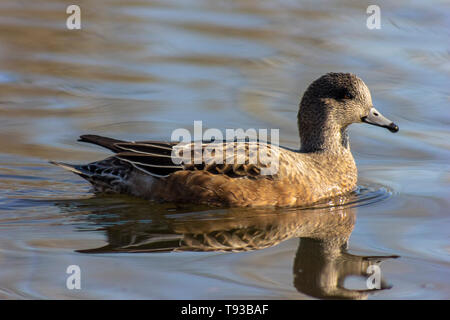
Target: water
(138, 70)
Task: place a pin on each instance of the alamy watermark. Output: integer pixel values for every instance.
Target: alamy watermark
(237, 147)
(374, 20)
(73, 281)
(374, 280)
(73, 22)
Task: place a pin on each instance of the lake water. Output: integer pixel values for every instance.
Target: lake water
(140, 69)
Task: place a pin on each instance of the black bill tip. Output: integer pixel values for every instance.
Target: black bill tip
(392, 127)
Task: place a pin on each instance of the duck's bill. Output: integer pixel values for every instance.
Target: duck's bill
(377, 119)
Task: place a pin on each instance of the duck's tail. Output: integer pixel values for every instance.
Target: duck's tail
(109, 175)
(77, 169)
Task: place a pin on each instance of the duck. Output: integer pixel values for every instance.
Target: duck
(323, 167)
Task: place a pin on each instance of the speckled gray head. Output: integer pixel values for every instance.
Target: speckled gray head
(333, 102)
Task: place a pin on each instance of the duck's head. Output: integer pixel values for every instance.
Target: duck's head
(333, 102)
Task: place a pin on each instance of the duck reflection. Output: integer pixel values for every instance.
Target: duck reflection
(321, 264)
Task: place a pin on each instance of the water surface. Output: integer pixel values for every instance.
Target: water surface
(140, 69)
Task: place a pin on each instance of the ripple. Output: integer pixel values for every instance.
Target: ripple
(364, 195)
(160, 65)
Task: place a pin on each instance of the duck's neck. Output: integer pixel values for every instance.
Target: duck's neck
(329, 138)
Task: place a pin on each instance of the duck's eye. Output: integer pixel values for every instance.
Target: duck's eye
(344, 94)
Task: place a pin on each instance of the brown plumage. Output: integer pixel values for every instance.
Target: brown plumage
(323, 168)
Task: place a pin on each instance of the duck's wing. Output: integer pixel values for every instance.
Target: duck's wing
(111, 143)
(232, 158)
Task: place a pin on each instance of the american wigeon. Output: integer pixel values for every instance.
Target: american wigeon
(323, 168)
